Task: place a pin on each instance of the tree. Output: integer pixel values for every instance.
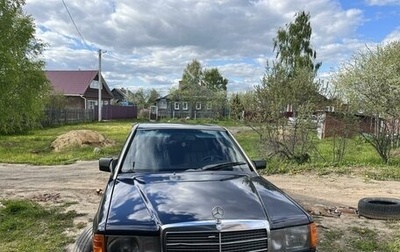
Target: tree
(192, 75)
(203, 86)
(143, 99)
(214, 81)
(153, 95)
(293, 46)
(24, 86)
(236, 106)
(289, 82)
(370, 83)
(57, 101)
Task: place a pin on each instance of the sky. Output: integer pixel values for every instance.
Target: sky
(148, 43)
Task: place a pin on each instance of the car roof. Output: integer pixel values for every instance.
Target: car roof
(179, 126)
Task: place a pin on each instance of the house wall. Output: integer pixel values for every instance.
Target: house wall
(164, 108)
(169, 110)
(94, 93)
(75, 102)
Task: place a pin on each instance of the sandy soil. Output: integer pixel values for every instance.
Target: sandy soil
(330, 198)
(333, 200)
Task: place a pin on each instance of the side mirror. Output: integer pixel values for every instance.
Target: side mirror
(107, 164)
(260, 164)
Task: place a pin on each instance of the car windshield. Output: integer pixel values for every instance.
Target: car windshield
(176, 150)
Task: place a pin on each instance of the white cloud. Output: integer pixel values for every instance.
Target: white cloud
(383, 2)
(393, 36)
(149, 43)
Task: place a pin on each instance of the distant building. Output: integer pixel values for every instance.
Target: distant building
(80, 87)
(121, 96)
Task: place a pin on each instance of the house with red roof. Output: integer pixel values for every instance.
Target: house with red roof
(80, 87)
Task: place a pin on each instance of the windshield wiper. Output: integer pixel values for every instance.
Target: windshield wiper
(220, 166)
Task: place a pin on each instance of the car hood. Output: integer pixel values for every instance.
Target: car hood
(146, 202)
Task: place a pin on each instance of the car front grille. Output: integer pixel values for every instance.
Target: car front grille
(216, 241)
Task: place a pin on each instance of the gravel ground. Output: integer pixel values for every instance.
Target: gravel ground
(79, 183)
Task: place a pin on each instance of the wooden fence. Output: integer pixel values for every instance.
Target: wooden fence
(67, 116)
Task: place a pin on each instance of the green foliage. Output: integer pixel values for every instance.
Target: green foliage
(192, 75)
(207, 88)
(28, 226)
(236, 106)
(293, 46)
(56, 101)
(360, 158)
(214, 81)
(24, 85)
(143, 99)
(370, 82)
(152, 97)
(288, 85)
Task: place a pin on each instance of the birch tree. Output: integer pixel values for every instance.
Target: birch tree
(24, 88)
(288, 85)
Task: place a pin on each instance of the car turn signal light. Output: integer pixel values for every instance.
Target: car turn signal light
(313, 235)
(98, 243)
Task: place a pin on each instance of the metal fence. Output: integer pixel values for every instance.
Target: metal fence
(112, 112)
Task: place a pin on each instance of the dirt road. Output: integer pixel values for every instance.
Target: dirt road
(78, 183)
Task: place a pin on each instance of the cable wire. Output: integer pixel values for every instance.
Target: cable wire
(76, 27)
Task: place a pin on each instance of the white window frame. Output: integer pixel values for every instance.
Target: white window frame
(91, 104)
(176, 106)
(209, 105)
(198, 105)
(163, 104)
(185, 106)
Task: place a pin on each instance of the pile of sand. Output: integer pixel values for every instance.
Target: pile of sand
(79, 138)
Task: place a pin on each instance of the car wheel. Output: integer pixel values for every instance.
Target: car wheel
(379, 208)
(84, 241)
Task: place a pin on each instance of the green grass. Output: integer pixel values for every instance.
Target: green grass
(28, 226)
(250, 142)
(34, 148)
(357, 152)
(359, 239)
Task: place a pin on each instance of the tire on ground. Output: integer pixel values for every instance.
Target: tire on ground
(84, 241)
(379, 208)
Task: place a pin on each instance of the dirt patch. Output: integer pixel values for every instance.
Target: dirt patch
(333, 201)
(79, 138)
(81, 183)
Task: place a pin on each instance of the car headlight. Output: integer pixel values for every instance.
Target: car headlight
(133, 244)
(293, 239)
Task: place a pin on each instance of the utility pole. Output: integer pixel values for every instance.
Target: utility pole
(100, 86)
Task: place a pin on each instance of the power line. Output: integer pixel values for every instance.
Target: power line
(76, 27)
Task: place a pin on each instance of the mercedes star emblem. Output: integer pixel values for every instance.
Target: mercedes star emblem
(217, 212)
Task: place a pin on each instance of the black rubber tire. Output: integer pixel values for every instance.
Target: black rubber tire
(379, 208)
(84, 241)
